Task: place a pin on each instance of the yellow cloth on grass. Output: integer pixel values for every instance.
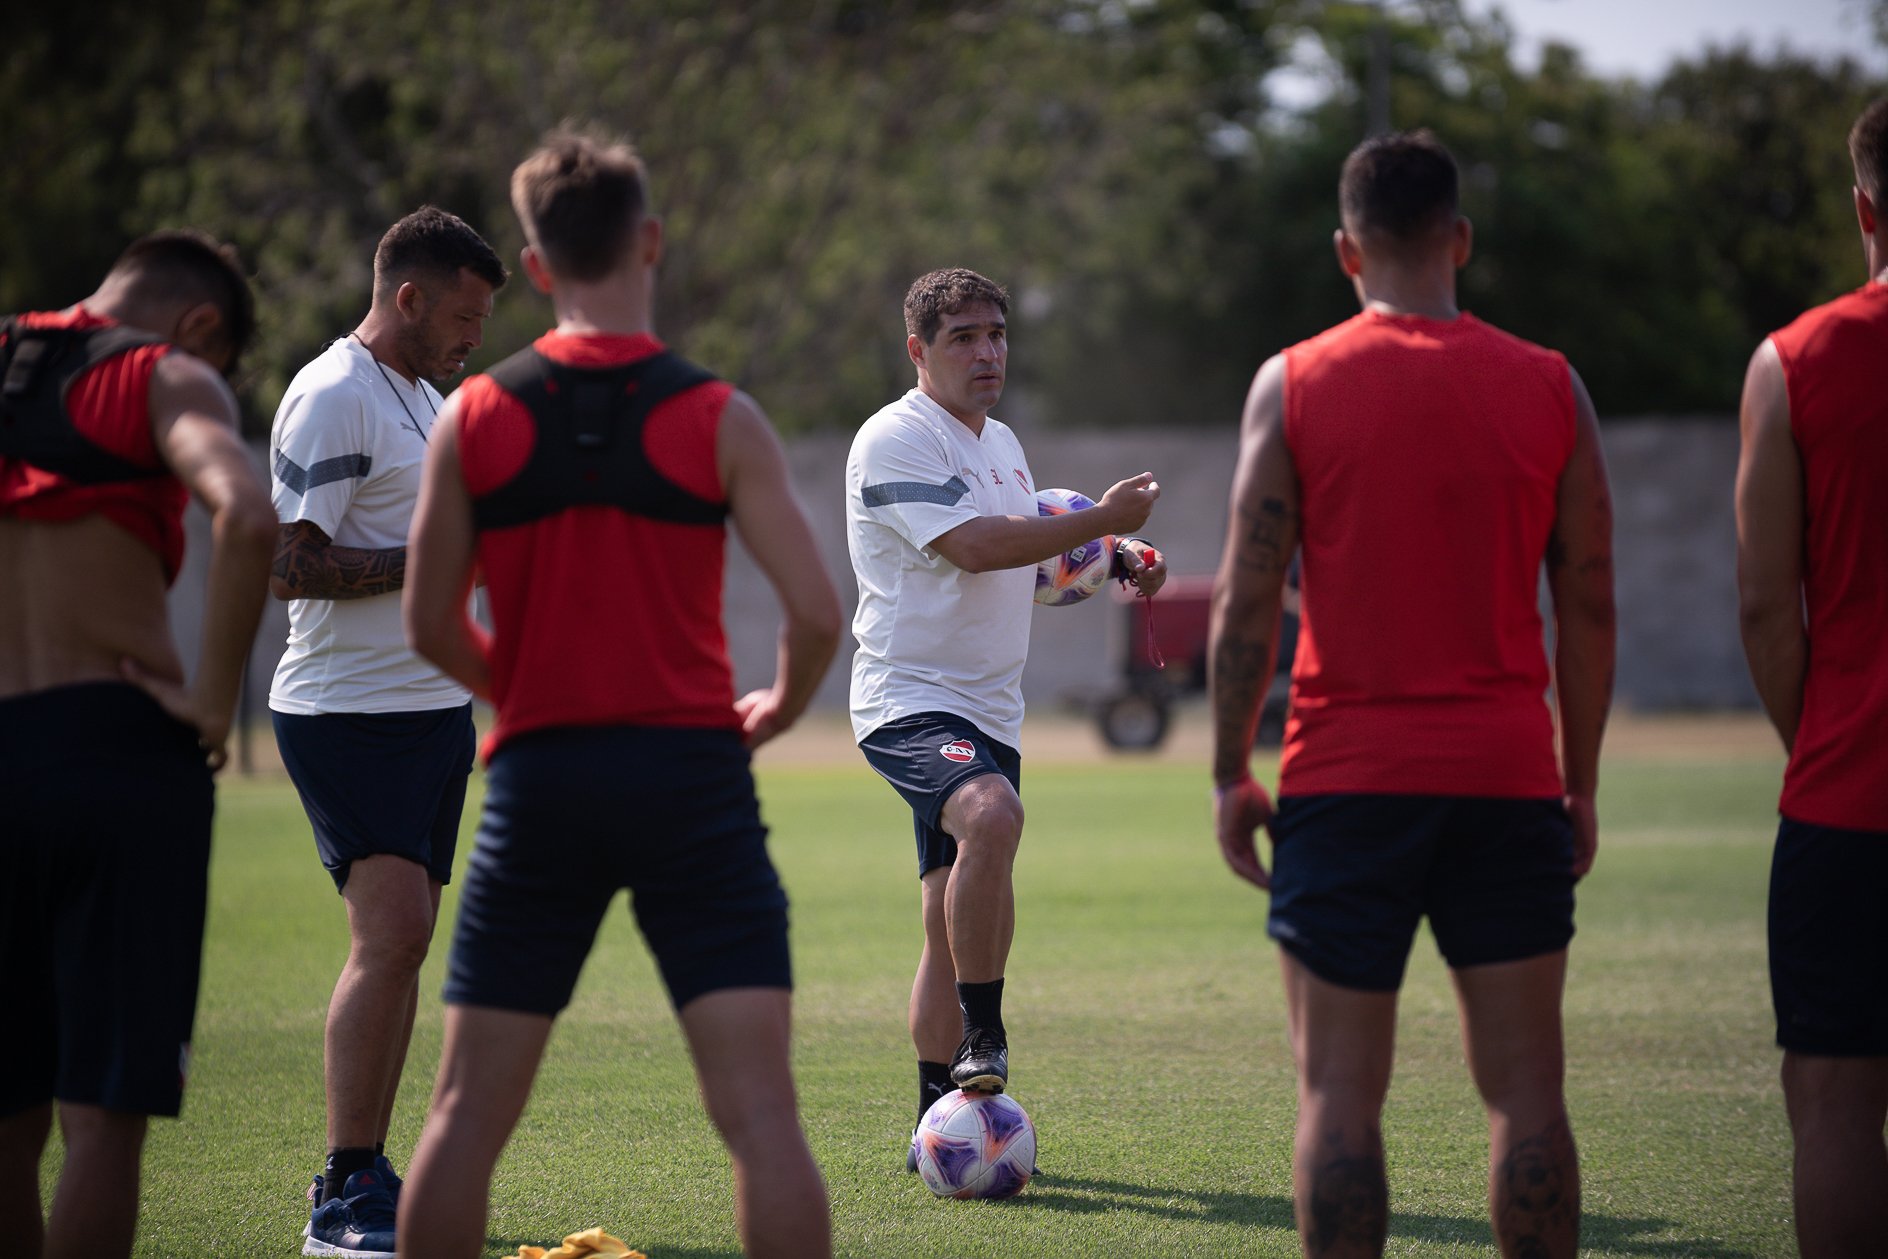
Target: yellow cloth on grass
(592, 1243)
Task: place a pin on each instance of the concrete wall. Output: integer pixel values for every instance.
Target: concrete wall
(1674, 551)
(1675, 556)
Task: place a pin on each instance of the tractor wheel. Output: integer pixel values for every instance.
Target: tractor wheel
(1134, 722)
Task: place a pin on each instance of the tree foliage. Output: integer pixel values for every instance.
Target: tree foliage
(1163, 224)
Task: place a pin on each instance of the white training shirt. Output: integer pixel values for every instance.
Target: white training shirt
(346, 455)
(933, 638)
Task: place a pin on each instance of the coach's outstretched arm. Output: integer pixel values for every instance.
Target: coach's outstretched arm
(194, 423)
(767, 516)
(989, 543)
(1770, 545)
(1248, 598)
(1580, 578)
(441, 551)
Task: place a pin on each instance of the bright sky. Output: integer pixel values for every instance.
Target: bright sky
(1641, 37)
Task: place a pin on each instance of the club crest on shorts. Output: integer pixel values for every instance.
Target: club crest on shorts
(958, 750)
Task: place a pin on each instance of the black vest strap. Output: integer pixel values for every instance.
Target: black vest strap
(589, 449)
(37, 368)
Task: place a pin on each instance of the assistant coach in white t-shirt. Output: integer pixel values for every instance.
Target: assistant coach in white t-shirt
(942, 526)
(378, 742)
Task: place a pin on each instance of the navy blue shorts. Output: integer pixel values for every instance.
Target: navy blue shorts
(381, 784)
(575, 814)
(926, 757)
(1352, 875)
(1829, 940)
(104, 866)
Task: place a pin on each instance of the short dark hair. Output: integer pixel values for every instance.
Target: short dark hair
(183, 264)
(1401, 187)
(1868, 145)
(940, 293)
(433, 245)
(579, 197)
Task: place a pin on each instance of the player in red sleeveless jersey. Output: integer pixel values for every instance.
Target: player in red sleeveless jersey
(1812, 571)
(1426, 466)
(591, 478)
(106, 752)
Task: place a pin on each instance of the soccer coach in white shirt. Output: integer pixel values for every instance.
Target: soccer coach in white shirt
(378, 742)
(942, 526)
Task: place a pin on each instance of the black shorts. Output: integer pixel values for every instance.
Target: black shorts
(928, 756)
(1353, 874)
(104, 866)
(377, 784)
(1829, 940)
(572, 816)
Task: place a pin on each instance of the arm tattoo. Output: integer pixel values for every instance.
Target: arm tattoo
(1597, 564)
(1598, 550)
(1264, 546)
(317, 569)
(1241, 668)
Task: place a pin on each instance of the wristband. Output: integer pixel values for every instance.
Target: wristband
(1118, 568)
(1220, 790)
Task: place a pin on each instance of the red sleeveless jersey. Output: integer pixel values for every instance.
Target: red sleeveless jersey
(600, 616)
(110, 405)
(1835, 364)
(1429, 455)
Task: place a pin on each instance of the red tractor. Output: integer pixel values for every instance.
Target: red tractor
(1173, 627)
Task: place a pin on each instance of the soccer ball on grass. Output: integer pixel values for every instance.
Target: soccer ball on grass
(975, 1145)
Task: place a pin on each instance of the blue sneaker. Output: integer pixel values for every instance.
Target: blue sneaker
(388, 1177)
(314, 1200)
(356, 1225)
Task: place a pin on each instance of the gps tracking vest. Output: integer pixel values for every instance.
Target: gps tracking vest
(589, 448)
(37, 368)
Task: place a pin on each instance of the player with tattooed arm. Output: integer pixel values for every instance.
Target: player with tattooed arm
(378, 742)
(1427, 466)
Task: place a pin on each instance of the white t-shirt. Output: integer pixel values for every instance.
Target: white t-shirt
(933, 638)
(345, 454)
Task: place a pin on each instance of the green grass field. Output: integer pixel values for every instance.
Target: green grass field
(1134, 947)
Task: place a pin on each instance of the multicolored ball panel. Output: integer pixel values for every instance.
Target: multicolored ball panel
(975, 1145)
(1074, 575)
